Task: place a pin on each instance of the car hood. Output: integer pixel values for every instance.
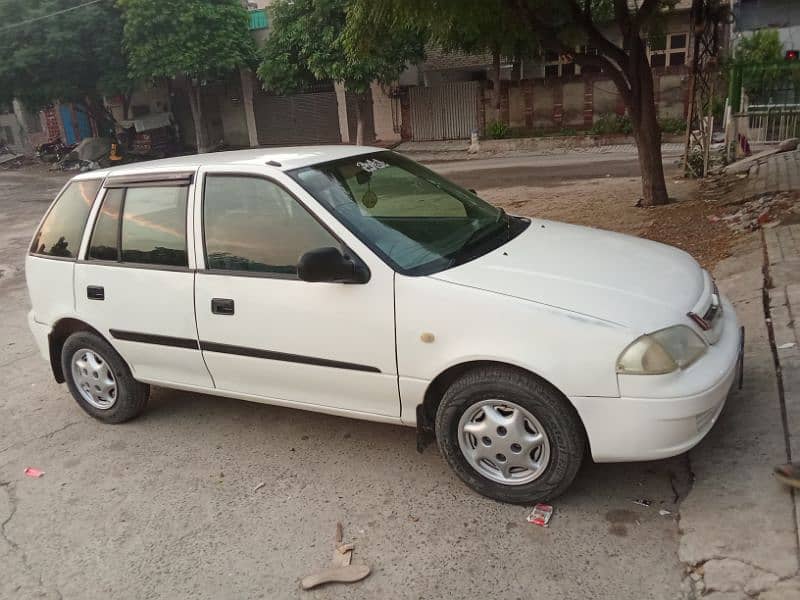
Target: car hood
(624, 280)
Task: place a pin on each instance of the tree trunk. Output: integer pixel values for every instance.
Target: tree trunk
(495, 75)
(646, 130)
(195, 103)
(360, 119)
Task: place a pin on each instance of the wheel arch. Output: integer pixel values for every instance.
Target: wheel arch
(426, 412)
(62, 329)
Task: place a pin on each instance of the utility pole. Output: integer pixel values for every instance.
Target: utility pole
(705, 19)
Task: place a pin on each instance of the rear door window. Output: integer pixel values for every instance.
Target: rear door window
(61, 232)
(152, 230)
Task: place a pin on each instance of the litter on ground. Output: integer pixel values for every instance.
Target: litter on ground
(540, 515)
(33, 472)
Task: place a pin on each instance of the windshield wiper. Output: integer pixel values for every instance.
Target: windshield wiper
(481, 234)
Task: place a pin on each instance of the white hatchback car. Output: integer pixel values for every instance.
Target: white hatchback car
(353, 281)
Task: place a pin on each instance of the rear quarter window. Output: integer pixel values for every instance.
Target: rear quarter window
(62, 229)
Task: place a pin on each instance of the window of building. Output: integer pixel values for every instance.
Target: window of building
(62, 229)
(258, 19)
(253, 224)
(559, 65)
(154, 226)
(668, 50)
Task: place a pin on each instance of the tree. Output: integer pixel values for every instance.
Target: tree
(308, 45)
(763, 68)
(188, 41)
(563, 26)
(74, 56)
(491, 31)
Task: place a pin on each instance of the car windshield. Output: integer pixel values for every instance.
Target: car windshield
(414, 219)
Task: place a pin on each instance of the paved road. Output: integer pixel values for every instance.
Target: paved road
(554, 169)
(165, 507)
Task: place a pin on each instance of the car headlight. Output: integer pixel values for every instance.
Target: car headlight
(661, 352)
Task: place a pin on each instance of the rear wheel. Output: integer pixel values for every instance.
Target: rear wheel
(100, 380)
(509, 435)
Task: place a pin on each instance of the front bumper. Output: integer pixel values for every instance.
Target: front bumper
(658, 416)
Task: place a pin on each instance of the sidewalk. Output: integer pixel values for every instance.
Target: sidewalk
(739, 526)
(738, 531)
(783, 255)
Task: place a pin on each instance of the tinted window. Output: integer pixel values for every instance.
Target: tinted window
(252, 224)
(154, 226)
(106, 228)
(61, 232)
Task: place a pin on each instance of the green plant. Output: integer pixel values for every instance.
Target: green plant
(497, 130)
(672, 125)
(610, 123)
(309, 43)
(568, 131)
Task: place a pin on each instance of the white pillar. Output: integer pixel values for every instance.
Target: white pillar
(382, 114)
(341, 103)
(247, 101)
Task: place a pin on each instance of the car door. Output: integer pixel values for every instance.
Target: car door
(267, 334)
(135, 280)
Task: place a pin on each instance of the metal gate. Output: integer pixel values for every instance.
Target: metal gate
(444, 112)
(297, 119)
(768, 124)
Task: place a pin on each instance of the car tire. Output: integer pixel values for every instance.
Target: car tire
(483, 401)
(100, 380)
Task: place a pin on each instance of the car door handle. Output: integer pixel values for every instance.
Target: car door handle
(222, 306)
(95, 292)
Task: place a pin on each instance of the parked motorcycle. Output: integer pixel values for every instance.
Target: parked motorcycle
(54, 151)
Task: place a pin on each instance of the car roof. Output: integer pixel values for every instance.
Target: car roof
(287, 158)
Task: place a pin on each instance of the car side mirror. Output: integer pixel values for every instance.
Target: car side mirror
(330, 265)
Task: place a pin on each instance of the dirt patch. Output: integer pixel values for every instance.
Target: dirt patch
(609, 203)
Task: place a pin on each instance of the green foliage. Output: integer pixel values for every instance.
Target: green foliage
(69, 57)
(760, 58)
(672, 125)
(497, 130)
(610, 124)
(763, 46)
(202, 39)
(309, 42)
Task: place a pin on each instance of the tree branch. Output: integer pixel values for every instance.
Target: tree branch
(597, 39)
(548, 35)
(646, 11)
(619, 78)
(622, 15)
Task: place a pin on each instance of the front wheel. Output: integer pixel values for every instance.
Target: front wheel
(509, 435)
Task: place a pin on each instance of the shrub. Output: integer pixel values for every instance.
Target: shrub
(497, 130)
(672, 125)
(609, 124)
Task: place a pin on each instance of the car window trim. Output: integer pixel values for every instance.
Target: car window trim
(262, 274)
(155, 179)
(133, 265)
(128, 264)
(50, 209)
